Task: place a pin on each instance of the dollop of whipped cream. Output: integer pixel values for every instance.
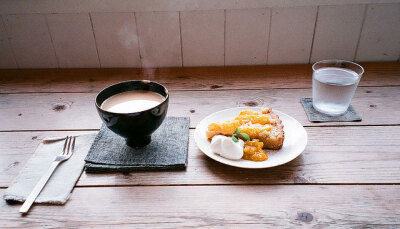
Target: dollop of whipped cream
(226, 147)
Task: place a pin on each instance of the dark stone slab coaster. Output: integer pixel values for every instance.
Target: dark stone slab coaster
(315, 116)
(168, 150)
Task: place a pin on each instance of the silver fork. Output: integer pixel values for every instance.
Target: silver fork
(69, 147)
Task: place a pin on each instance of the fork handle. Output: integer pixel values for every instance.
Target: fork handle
(38, 188)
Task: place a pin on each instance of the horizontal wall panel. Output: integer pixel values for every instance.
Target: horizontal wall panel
(7, 59)
(73, 40)
(246, 36)
(159, 39)
(337, 32)
(30, 41)
(380, 37)
(116, 39)
(203, 38)
(292, 30)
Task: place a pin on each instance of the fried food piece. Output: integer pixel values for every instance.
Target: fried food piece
(265, 126)
(245, 117)
(226, 128)
(249, 116)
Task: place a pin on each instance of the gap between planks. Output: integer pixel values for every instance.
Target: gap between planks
(191, 128)
(227, 185)
(308, 166)
(234, 184)
(185, 90)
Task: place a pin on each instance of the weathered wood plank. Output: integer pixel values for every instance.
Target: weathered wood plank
(17, 147)
(73, 40)
(246, 36)
(333, 155)
(337, 32)
(380, 35)
(116, 39)
(30, 41)
(7, 59)
(70, 111)
(159, 39)
(244, 77)
(279, 206)
(202, 34)
(292, 32)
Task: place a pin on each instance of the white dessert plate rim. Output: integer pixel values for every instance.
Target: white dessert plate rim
(294, 144)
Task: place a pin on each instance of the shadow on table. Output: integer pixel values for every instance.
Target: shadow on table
(289, 173)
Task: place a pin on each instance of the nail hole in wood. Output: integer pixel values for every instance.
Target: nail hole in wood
(305, 217)
(216, 86)
(251, 103)
(59, 107)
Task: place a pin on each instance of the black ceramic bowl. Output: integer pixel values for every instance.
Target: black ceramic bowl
(135, 127)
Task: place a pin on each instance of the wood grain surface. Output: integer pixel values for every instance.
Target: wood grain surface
(348, 176)
(196, 78)
(69, 111)
(259, 206)
(361, 157)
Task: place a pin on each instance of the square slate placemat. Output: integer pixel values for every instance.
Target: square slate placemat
(168, 149)
(315, 116)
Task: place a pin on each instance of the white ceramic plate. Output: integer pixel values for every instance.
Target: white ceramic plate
(294, 144)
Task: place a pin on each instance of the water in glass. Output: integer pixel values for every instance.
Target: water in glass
(333, 89)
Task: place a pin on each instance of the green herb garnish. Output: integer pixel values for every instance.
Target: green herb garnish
(234, 139)
(238, 134)
(245, 136)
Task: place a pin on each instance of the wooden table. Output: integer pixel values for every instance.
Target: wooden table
(349, 174)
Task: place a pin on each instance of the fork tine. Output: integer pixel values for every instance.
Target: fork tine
(65, 144)
(69, 146)
(73, 145)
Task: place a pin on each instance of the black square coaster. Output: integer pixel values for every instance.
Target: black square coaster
(315, 116)
(168, 149)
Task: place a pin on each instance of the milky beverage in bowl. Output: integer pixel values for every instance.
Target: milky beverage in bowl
(132, 101)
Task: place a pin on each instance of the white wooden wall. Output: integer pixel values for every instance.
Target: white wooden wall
(275, 35)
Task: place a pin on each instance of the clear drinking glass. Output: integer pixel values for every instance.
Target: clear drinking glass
(334, 84)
